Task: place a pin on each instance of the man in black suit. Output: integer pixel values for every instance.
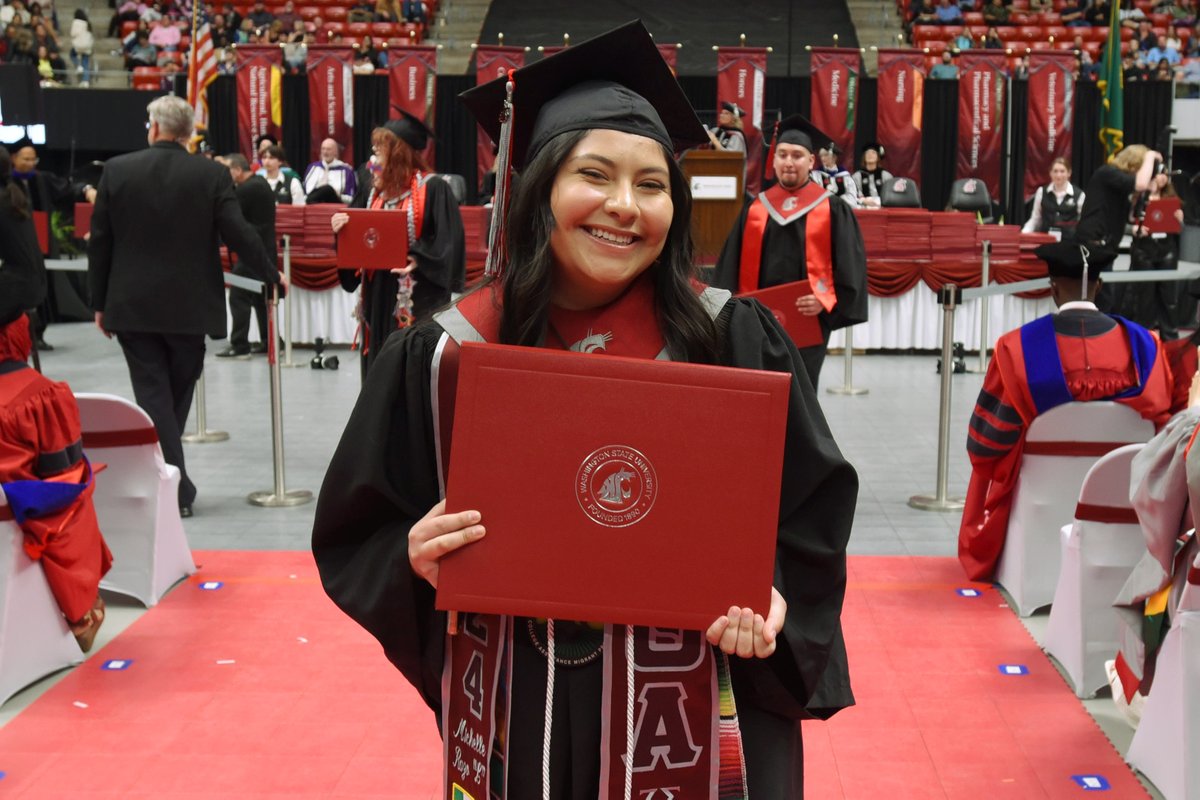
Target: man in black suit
(154, 268)
(257, 200)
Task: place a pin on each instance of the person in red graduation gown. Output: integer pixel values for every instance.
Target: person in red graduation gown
(793, 232)
(1076, 354)
(46, 480)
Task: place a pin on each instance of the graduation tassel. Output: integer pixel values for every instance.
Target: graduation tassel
(497, 249)
(1083, 289)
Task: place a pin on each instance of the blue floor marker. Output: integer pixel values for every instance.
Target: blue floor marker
(211, 586)
(117, 664)
(968, 592)
(1013, 669)
(1092, 783)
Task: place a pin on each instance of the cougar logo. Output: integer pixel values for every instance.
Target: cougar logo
(592, 342)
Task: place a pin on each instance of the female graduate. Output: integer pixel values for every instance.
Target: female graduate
(598, 243)
(436, 265)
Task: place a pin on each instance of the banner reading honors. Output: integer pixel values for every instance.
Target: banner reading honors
(741, 77)
(835, 73)
(981, 84)
(1051, 109)
(331, 98)
(901, 101)
(412, 82)
(259, 94)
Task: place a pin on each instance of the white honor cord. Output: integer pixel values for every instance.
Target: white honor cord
(629, 712)
(549, 716)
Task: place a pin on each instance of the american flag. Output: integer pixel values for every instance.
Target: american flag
(202, 70)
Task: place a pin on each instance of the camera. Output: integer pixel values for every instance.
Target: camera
(958, 355)
(320, 360)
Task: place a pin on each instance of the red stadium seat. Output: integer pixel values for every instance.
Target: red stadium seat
(934, 48)
(335, 13)
(128, 27)
(973, 18)
(384, 29)
(925, 33)
(1008, 34)
(330, 28)
(147, 78)
(413, 32)
(358, 29)
(1058, 32)
(308, 13)
(1030, 33)
(1051, 18)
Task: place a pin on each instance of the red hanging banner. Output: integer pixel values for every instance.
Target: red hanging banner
(492, 62)
(901, 101)
(835, 74)
(741, 76)
(981, 84)
(670, 54)
(259, 94)
(331, 98)
(1051, 107)
(412, 82)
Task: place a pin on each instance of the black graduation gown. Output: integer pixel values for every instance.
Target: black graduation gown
(783, 261)
(383, 478)
(440, 252)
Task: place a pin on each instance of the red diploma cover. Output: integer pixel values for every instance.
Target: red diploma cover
(373, 239)
(83, 219)
(781, 301)
(608, 491)
(1160, 215)
(41, 226)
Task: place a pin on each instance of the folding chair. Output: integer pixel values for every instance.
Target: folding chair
(35, 640)
(136, 499)
(1165, 745)
(1099, 550)
(1060, 447)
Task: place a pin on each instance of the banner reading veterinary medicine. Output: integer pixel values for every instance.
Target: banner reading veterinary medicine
(331, 98)
(259, 94)
(901, 102)
(835, 73)
(981, 83)
(741, 76)
(412, 81)
(491, 63)
(1051, 107)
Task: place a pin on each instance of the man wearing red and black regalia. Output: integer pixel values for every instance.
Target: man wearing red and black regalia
(1077, 354)
(793, 232)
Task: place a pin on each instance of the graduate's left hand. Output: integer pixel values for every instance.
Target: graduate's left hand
(808, 305)
(745, 634)
(407, 268)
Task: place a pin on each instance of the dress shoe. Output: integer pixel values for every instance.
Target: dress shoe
(185, 512)
(258, 348)
(44, 346)
(235, 352)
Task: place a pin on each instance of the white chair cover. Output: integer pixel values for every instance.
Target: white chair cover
(1166, 746)
(1047, 489)
(136, 501)
(1097, 558)
(34, 638)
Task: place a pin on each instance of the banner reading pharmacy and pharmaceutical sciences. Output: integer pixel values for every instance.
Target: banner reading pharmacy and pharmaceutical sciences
(1051, 108)
(259, 94)
(492, 62)
(412, 82)
(835, 74)
(981, 85)
(741, 77)
(331, 98)
(901, 102)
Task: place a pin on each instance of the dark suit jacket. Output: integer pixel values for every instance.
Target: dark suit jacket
(22, 271)
(257, 200)
(153, 259)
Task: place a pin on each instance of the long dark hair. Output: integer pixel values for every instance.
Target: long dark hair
(17, 201)
(686, 326)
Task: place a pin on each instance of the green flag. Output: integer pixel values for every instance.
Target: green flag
(1112, 88)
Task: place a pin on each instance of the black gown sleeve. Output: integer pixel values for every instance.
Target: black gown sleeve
(849, 269)
(807, 676)
(440, 253)
(726, 274)
(382, 479)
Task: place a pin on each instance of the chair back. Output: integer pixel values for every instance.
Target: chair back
(971, 194)
(458, 185)
(900, 193)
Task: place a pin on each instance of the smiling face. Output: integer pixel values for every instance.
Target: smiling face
(1059, 175)
(792, 164)
(612, 208)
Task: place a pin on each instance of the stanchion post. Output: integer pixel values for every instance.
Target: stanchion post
(280, 496)
(848, 387)
(985, 277)
(203, 435)
(949, 297)
(287, 304)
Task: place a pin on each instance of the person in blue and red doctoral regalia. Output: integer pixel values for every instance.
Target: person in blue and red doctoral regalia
(1077, 354)
(792, 232)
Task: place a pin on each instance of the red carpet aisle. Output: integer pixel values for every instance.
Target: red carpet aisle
(247, 683)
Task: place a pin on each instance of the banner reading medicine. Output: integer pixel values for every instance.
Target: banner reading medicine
(835, 74)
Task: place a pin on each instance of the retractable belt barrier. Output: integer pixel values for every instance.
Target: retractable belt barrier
(951, 296)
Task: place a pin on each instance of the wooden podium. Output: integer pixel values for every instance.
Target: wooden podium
(717, 178)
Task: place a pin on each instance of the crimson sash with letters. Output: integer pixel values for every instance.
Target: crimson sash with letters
(811, 203)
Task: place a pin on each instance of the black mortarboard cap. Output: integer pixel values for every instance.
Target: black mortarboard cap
(21, 144)
(876, 146)
(615, 81)
(410, 130)
(1066, 259)
(733, 108)
(797, 129)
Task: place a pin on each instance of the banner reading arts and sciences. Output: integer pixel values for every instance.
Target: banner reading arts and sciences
(492, 62)
(331, 98)
(981, 84)
(259, 94)
(835, 73)
(901, 102)
(741, 77)
(412, 82)
(1051, 108)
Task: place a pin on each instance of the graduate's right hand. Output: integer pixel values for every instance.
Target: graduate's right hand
(339, 220)
(438, 533)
